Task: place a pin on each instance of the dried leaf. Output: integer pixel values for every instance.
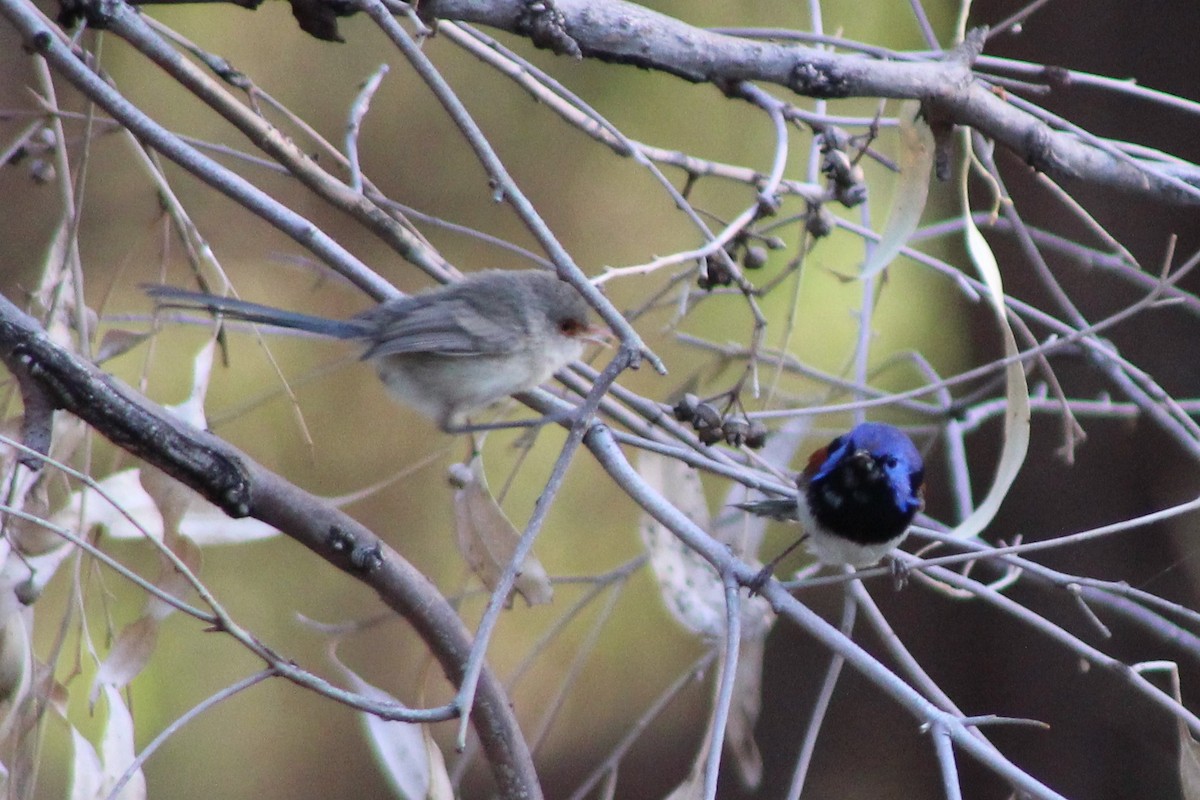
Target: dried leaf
(744, 709)
(692, 787)
(128, 656)
(58, 277)
(86, 772)
(440, 787)
(912, 189)
(203, 523)
(87, 508)
(1189, 765)
(172, 581)
(40, 431)
(70, 433)
(1016, 390)
(171, 498)
(16, 668)
(207, 524)
(22, 580)
(135, 644)
(691, 589)
(1189, 748)
(118, 342)
(29, 537)
(695, 595)
(117, 750)
(405, 751)
(191, 410)
(400, 751)
(487, 540)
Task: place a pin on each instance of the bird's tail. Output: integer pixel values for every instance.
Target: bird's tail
(778, 508)
(171, 297)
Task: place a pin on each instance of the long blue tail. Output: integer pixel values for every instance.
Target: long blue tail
(172, 297)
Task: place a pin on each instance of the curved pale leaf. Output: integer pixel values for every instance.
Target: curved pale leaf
(409, 757)
(117, 749)
(1016, 389)
(912, 189)
(86, 772)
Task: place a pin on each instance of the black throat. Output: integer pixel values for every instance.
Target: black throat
(856, 502)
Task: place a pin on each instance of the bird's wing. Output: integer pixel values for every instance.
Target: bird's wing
(448, 327)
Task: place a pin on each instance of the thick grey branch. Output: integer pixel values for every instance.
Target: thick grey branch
(232, 480)
(625, 33)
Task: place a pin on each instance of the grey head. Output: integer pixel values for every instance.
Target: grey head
(491, 312)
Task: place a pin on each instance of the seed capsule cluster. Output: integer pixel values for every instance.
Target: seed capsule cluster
(712, 426)
(716, 270)
(847, 181)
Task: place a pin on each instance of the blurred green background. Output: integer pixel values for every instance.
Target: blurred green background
(277, 741)
(604, 208)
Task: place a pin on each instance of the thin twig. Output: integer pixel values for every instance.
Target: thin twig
(358, 111)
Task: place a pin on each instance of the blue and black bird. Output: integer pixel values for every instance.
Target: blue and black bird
(856, 497)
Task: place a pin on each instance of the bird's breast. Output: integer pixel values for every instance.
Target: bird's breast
(857, 503)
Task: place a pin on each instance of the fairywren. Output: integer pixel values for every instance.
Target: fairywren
(449, 351)
(857, 496)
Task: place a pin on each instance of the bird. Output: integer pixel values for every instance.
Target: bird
(449, 351)
(856, 497)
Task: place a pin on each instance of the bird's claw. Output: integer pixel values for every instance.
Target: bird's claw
(760, 579)
(900, 571)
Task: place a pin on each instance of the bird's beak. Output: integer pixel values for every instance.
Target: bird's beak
(864, 461)
(597, 334)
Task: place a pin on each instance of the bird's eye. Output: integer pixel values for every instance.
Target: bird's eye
(570, 327)
(889, 462)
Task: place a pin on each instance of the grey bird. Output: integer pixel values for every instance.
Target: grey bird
(449, 351)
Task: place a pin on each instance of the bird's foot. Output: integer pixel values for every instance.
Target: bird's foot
(509, 424)
(900, 572)
(756, 584)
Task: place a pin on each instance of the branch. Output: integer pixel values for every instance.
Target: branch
(625, 33)
(600, 441)
(49, 42)
(241, 487)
